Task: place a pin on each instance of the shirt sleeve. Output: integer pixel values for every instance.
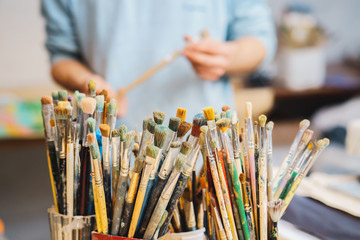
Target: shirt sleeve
(61, 41)
(253, 18)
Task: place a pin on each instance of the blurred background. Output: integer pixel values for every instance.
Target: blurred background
(315, 75)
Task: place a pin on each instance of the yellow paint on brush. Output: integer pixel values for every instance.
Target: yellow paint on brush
(181, 113)
(209, 113)
(52, 182)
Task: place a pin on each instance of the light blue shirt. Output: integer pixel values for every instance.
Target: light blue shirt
(121, 39)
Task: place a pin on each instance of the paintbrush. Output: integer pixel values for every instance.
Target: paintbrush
(305, 139)
(174, 123)
(111, 114)
(92, 88)
(130, 198)
(63, 95)
(99, 110)
(249, 220)
(163, 218)
(160, 135)
(166, 194)
(274, 208)
(206, 208)
(88, 106)
(171, 193)
(105, 132)
(220, 228)
(55, 97)
(80, 114)
(151, 154)
(116, 163)
(99, 189)
(175, 221)
(115, 146)
(243, 144)
(70, 165)
(135, 149)
(293, 171)
(183, 128)
(251, 158)
(61, 115)
(148, 136)
(77, 169)
(163, 176)
(92, 140)
(238, 159)
(304, 124)
(189, 211)
(119, 194)
(319, 147)
(91, 123)
(181, 113)
(269, 129)
(159, 117)
(262, 180)
(50, 130)
(144, 133)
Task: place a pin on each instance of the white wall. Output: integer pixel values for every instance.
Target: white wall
(23, 59)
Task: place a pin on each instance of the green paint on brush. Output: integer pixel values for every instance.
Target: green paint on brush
(151, 126)
(91, 122)
(79, 97)
(151, 151)
(111, 108)
(129, 139)
(229, 114)
(63, 95)
(159, 117)
(93, 151)
(55, 95)
(160, 134)
(122, 132)
(92, 88)
(288, 186)
(100, 99)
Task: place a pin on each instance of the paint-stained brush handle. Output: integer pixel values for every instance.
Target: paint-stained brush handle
(119, 202)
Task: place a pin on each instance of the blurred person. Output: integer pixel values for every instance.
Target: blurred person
(113, 42)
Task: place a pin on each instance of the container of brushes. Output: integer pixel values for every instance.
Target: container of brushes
(198, 234)
(100, 236)
(63, 227)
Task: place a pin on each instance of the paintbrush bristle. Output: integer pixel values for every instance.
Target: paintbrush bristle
(326, 142)
(217, 117)
(174, 123)
(151, 151)
(202, 139)
(92, 88)
(88, 105)
(229, 115)
(63, 95)
(180, 162)
(91, 122)
(195, 130)
(181, 113)
(225, 108)
(306, 137)
(222, 115)
(151, 126)
(242, 178)
(100, 102)
(248, 109)
(93, 151)
(202, 182)
(270, 126)
(200, 115)
(115, 133)
(319, 144)
(184, 127)
(223, 124)
(105, 130)
(146, 122)
(46, 100)
(304, 124)
(122, 132)
(185, 148)
(62, 104)
(55, 95)
(91, 138)
(160, 134)
(136, 149)
(209, 113)
(275, 209)
(204, 129)
(62, 112)
(159, 117)
(234, 118)
(129, 139)
(111, 110)
(262, 120)
(175, 144)
(79, 98)
(139, 164)
(104, 92)
(310, 146)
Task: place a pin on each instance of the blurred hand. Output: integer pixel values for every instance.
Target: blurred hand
(122, 101)
(209, 57)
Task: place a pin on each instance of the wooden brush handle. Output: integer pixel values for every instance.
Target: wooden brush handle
(119, 202)
(154, 196)
(126, 218)
(148, 74)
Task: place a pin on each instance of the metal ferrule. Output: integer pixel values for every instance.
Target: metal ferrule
(111, 121)
(213, 132)
(250, 133)
(122, 150)
(170, 138)
(145, 140)
(61, 124)
(85, 130)
(115, 142)
(156, 166)
(193, 156)
(48, 115)
(187, 170)
(193, 140)
(168, 163)
(236, 141)
(98, 118)
(125, 163)
(106, 153)
(146, 173)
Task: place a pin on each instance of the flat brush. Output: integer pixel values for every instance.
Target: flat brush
(63, 95)
(181, 113)
(159, 117)
(111, 114)
(92, 88)
(151, 154)
(148, 137)
(174, 123)
(116, 163)
(184, 127)
(115, 146)
(130, 198)
(121, 187)
(269, 130)
(70, 135)
(304, 124)
(274, 208)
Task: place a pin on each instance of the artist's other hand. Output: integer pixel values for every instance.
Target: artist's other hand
(209, 57)
(102, 84)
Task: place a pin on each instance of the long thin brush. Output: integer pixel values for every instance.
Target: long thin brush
(274, 208)
(269, 130)
(248, 213)
(115, 146)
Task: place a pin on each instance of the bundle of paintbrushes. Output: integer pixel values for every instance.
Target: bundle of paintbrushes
(142, 185)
